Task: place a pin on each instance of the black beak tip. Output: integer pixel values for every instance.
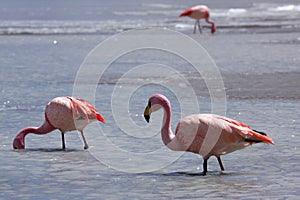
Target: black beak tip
(147, 118)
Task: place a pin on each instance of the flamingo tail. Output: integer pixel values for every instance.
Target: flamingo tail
(253, 135)
(100, 118)
(259, 136)
(186, 13)
(246, 131)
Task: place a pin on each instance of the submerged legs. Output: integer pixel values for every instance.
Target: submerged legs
(86, 146)
(199, 26)
(195, 27)
(205, 165)
(197, 23)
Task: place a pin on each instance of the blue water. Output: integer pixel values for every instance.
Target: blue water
(43, 45)
(106, 17)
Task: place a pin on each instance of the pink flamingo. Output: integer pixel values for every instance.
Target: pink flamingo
(204, 134)
(197, 13)
(65, 114)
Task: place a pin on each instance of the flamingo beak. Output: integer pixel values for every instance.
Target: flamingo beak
(147, 113)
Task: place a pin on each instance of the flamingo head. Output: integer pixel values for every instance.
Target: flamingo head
(19, 142)
(155, 103)
(213, 28)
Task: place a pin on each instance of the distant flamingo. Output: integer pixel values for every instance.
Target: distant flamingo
(204, 134)
(65, 114)
(197, 13)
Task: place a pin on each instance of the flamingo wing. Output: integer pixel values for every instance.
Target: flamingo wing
(84, 109)
(246, 131)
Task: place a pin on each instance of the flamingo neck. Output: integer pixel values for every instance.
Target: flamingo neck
(45, 128)
(19, 142)
(213, 26)
(26, 131)
(166, 132)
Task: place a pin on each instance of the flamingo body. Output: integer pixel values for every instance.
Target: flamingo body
(226, 135)
(199, 12)
(231, 137)
(65, 114)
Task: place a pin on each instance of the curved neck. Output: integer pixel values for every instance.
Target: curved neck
(210, 21)
(213, 27)
(43, 129)
(166, 132)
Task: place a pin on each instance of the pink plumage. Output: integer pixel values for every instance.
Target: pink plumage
(199, 12)
(65, 114)
(204, 134)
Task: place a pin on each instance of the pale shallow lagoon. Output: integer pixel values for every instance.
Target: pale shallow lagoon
(260, 70)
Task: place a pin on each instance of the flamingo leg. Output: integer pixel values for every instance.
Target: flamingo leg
(204, 166)
(63, 140)
(86, 146)
(220, 163)
(195, 26)
(199, 26)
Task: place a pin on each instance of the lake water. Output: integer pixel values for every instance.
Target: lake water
(44, 47)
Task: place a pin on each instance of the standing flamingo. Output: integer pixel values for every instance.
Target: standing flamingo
(204, 134)
(197, 13)
(65, 114)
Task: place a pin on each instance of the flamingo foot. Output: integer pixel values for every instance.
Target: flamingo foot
(86, 146)
(204, 166)
(202, 173)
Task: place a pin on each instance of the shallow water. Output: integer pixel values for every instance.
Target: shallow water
(260, 70)
(45, 171)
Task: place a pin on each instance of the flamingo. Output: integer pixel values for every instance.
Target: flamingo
(65, 114)
(226, 135)
(197, 13)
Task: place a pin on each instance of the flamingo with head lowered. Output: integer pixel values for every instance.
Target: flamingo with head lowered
(204, 134)
(197, 13)
(65, 114)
